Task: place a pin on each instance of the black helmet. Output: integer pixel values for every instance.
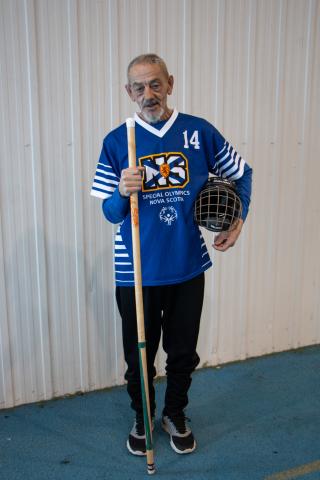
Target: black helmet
(217, 206)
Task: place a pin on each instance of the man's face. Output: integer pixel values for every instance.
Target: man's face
(149, 86)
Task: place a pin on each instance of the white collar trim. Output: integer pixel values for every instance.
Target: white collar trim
(159, 133)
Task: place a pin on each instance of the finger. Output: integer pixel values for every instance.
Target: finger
(137, 173)
(223, 247)
(220, 238)
(126, 192)
(132, 188)
(132, 181)
(133, 171)
(132, 178)
(223, 241)
(132, 184)
(219, 242)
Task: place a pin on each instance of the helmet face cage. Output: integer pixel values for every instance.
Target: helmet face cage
(217, 207)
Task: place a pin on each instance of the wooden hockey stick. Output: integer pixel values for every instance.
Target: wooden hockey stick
(139, 300)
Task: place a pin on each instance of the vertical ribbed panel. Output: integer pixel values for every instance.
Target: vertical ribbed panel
(250, 67)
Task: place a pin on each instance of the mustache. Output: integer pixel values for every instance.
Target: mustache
(150, 103)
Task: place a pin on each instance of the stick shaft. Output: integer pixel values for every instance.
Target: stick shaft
(139, 301)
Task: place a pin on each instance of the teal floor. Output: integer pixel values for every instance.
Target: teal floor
(253, 420)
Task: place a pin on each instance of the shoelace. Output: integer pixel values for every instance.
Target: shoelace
(179, 422)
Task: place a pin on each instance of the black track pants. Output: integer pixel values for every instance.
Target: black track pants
(176, 309)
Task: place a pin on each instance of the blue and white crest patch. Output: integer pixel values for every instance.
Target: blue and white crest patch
(164, 170)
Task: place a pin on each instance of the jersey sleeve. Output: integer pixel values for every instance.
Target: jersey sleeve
(228, 163)
(244, 188)
(106, 185)
(106, 179)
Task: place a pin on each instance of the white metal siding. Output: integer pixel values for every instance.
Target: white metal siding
(252, 67)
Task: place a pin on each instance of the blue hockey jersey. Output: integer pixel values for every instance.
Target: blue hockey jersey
(178, 155)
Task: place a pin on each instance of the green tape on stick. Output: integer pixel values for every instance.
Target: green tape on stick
(144, 402)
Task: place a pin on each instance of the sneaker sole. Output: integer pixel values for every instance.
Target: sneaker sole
(181, 452)
(135, 452)
(138, 452)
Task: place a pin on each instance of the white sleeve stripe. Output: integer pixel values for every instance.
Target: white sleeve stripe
(119, 271)
(226, 166)
(106, 180)
(240, 171)
(205, 264)
(234, 160)
(97, 193)
(122, 263)
(223, 158)
(235, 166)
(231, 171)
(227, 147)
(230, 154)
(107, 174)
(121, 255)
(223, 148)
(119, 247)
(103, 187)
(104, 165)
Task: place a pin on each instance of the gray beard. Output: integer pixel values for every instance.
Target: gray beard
(153, 118)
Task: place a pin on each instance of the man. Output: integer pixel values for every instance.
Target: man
(176, 153)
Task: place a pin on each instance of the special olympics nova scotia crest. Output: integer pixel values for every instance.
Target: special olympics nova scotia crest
(168, 215)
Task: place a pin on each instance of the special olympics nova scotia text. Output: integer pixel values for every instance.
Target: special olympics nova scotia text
(170, 196)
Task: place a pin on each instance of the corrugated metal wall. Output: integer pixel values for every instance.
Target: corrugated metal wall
(250, 67)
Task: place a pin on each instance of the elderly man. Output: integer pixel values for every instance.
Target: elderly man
(176, 152)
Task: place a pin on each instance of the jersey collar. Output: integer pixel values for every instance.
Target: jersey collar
(159, 133)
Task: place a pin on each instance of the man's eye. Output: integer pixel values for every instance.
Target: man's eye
(138, 89)
(155, 86)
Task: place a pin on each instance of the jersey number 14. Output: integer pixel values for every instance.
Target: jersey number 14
(194, 140)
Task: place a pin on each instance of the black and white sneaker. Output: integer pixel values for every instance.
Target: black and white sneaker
(181, 437)
(136, 442)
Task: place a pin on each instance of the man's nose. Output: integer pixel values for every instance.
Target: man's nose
(148, 93)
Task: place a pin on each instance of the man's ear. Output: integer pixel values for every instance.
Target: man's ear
(129, 91)
(170, 83)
